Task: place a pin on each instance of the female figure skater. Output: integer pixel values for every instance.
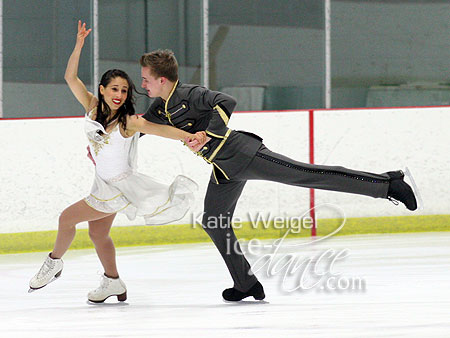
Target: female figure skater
(113, 131)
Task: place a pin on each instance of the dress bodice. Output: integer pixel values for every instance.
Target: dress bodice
(110, 151)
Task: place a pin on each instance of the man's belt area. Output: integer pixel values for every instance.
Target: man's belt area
(212, 148)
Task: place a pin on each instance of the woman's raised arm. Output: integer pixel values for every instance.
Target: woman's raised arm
(71, 76)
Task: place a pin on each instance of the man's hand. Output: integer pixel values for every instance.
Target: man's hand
(89, 155)
(198, 140)
(200, 136)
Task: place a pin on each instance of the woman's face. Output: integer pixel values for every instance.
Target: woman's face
(115, 93)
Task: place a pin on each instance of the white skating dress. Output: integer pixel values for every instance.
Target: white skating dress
(118, 187)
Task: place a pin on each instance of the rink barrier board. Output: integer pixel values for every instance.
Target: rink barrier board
(436, 196)
(42, 165)
(43, 241)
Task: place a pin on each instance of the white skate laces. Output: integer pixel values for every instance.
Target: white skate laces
(49, 271)
(108, 287)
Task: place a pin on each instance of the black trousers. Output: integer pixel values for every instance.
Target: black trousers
(221, 199)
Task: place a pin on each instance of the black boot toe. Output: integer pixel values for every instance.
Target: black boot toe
(399, 190)
(234, 295)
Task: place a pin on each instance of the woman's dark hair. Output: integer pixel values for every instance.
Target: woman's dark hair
(104, 111)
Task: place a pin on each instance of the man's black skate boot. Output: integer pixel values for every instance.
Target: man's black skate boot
(233, 295)
(399, 190)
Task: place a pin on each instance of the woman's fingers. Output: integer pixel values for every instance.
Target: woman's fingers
(199, 138)
(82, 28)
(82, 32)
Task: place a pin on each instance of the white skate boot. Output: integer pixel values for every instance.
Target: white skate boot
(108, 287)
(50, 271)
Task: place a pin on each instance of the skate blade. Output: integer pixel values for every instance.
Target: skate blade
(30, 290)
(414, 188)
(121, 298)
(246, 302)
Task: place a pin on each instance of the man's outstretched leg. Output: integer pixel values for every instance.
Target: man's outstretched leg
(219, 205)
(268, 165)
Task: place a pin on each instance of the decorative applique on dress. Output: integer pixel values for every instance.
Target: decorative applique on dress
(118, 187)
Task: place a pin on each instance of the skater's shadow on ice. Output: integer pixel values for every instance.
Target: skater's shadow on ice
(211, 306)
(246, 302)
(107, 304)
(183, 306)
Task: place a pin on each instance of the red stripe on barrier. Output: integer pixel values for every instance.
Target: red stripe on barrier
(270, 111)
(39, 118)
(379, 108)
(312, 212)
(45, 118)
(334, 109)
(245, 112)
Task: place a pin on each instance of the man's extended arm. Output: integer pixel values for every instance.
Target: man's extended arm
(222, 106)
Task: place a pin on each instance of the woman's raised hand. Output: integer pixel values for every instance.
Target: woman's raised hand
(82, 33)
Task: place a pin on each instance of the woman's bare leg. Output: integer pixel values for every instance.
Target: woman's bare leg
(99, 234)
(70, 217)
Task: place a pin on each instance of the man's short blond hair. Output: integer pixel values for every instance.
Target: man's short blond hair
(162, 63)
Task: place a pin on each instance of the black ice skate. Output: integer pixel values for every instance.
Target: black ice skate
(400, 191)
(233, 295)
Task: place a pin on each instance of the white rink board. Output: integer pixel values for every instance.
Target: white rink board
(286, 133)
(44, 168)
(385, 140)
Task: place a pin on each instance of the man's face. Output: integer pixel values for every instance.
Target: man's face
(151, 84)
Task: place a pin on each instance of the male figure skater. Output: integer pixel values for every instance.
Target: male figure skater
(238, 156)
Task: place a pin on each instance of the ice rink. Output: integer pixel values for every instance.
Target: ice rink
(393, 285)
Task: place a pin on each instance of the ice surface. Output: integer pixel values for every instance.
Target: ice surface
(175, 291)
